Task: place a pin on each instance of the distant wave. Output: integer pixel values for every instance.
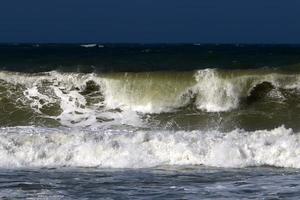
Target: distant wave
(88, 45)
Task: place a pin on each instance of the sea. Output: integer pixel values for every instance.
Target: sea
(149, 121)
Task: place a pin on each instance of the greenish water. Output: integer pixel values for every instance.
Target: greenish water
(200, 99)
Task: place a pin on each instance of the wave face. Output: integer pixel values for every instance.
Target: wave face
(41, 147)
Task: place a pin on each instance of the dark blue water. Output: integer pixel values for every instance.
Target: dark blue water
(146, 57)
(156, 183)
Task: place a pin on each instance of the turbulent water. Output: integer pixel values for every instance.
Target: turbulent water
(191, 118)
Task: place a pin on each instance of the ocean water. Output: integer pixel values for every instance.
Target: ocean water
(149, 121)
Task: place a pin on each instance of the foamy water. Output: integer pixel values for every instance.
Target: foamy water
(44, 147)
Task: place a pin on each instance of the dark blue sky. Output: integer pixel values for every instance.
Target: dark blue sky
(224, 21)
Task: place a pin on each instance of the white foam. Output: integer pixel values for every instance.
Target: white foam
(64, 89)
(40, 147)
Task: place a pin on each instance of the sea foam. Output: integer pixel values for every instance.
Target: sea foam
(46, 147)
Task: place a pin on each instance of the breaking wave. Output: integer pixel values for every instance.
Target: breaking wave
(74, 99)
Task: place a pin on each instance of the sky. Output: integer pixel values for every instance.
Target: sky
(150, 21)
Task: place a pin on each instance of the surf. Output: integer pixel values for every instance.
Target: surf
(69, 147)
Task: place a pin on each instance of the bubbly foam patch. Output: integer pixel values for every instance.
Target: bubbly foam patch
(42, 147)
(66, 91)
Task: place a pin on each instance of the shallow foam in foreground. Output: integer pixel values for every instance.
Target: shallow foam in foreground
(44, 147)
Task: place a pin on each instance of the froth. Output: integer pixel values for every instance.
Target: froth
(40, 147)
